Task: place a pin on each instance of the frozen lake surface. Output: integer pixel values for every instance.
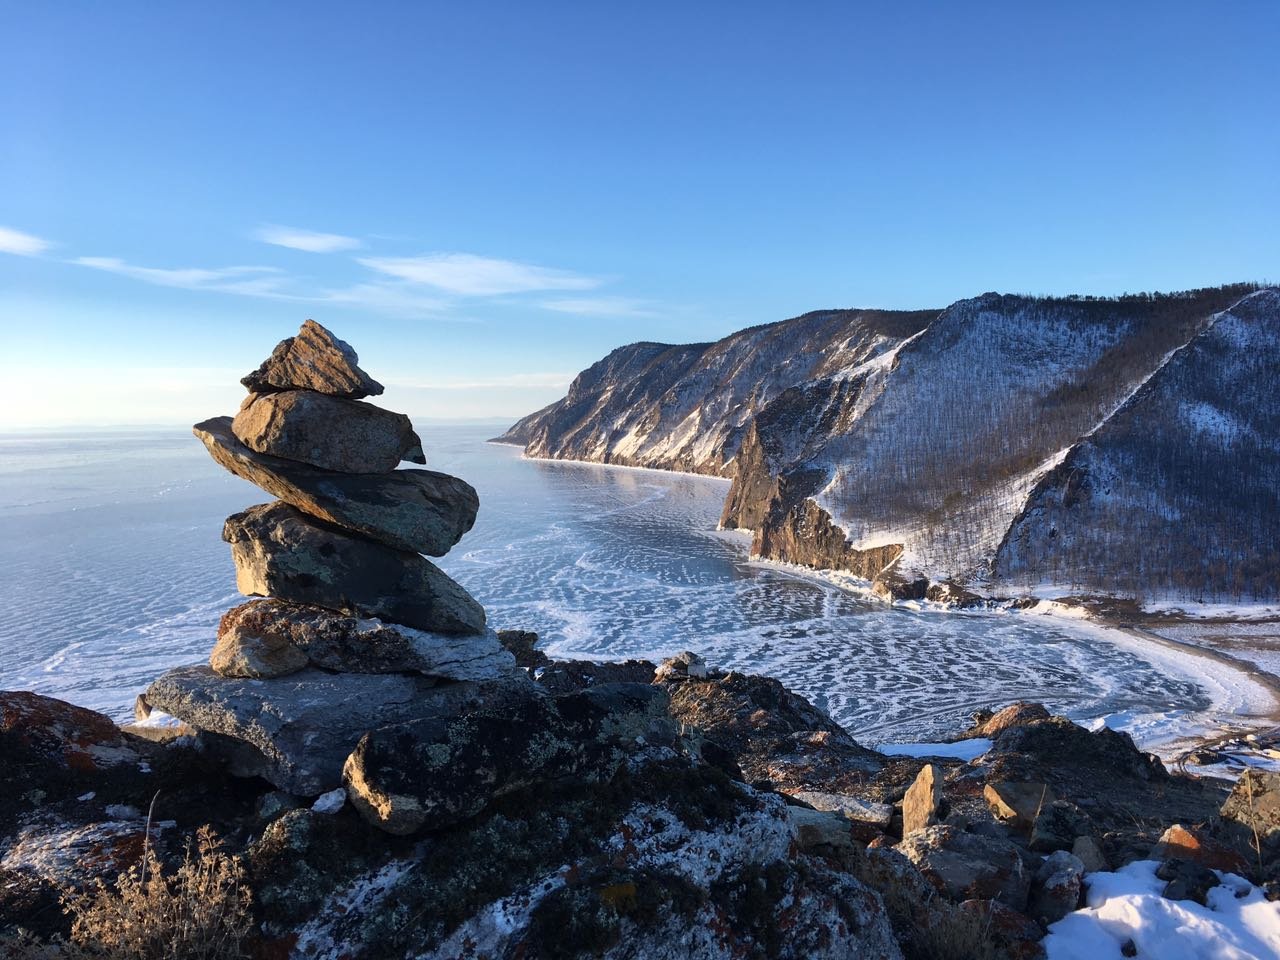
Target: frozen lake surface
(112, 570)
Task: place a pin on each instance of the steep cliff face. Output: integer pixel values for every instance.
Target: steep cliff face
(903, 446)
(687, 407)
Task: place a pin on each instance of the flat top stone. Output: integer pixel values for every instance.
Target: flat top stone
(417, 510)
(304, 725)
(349, 436)
(313, 360)
(854, 808)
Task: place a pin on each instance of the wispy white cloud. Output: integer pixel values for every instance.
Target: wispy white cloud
(271, 283)
(558, 381)
(429, 287)
(601, 306)
(308, 240)
(468, 275)
(251, 281)
(21, 244)
(397, 298)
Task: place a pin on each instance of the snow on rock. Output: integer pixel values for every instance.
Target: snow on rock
(1237, 924)
(324, 936)
(653, 837)
(330, 802)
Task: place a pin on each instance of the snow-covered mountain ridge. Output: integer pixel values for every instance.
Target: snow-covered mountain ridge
(1006, 443)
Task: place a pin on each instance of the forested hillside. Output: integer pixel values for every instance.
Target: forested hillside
(1124, 445)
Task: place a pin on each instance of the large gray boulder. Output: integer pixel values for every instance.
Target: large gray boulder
(313, 360)
(281, 552)
(348, 436)
(417, 510)
(964, 866)
(429, 774)
(296, 731)
(267, 638)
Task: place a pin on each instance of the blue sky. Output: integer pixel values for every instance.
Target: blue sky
(484, 198)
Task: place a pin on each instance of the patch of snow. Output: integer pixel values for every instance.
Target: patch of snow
(1217, 611)
(158, 718)
(654, 837)
(1211, 423)
(1237, 924)
(963, 750)
(322, 937)
(330, 802)
(486, 933)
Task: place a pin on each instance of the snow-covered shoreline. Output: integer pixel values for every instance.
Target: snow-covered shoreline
(1243, 697)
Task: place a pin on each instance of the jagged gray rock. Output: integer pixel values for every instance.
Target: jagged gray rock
(348, 436)
(922, 800)
(281, 552)
(967, 865)
(297, 731)
(418, 510)
(428, 774)
(264, 638)
(313, 360)
(1057, 887)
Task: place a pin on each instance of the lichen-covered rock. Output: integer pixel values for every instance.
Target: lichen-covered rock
(667, 860)
(348, 436)
(1057, 887)
(523, 645)
(1089, 853)
(1014, 932)
(297, 731)
(565, 676)
(50, 749)
(417, 510)
(313, 360)
(428, 774)
(819, 831)
(922, 801)
(683, 666)
(1057, 825)
(268, 638)
(1017, 804)
(69, 736)
(773, 734)
(1254, 803)
(280, 552)
(1194, 844)
(1104, 752)
(1186, 880)
(965, 866)
(867, 813)
(988, 724)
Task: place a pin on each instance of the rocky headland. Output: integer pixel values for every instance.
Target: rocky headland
(387, 776)
(1002, 447)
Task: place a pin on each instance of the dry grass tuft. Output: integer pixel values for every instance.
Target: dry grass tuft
(199, 912)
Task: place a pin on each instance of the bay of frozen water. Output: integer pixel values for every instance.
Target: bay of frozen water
(112, 570)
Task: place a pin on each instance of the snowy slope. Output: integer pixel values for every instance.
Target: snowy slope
(686, 407)
(1178, 493)
(928, 445)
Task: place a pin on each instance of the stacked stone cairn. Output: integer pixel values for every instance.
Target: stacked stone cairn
(363, 671)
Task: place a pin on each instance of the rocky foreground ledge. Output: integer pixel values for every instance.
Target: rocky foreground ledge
(618, 810)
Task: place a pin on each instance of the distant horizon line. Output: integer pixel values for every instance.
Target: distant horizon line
(24, 430)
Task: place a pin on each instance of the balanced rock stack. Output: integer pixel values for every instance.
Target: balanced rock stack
(356, 629)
